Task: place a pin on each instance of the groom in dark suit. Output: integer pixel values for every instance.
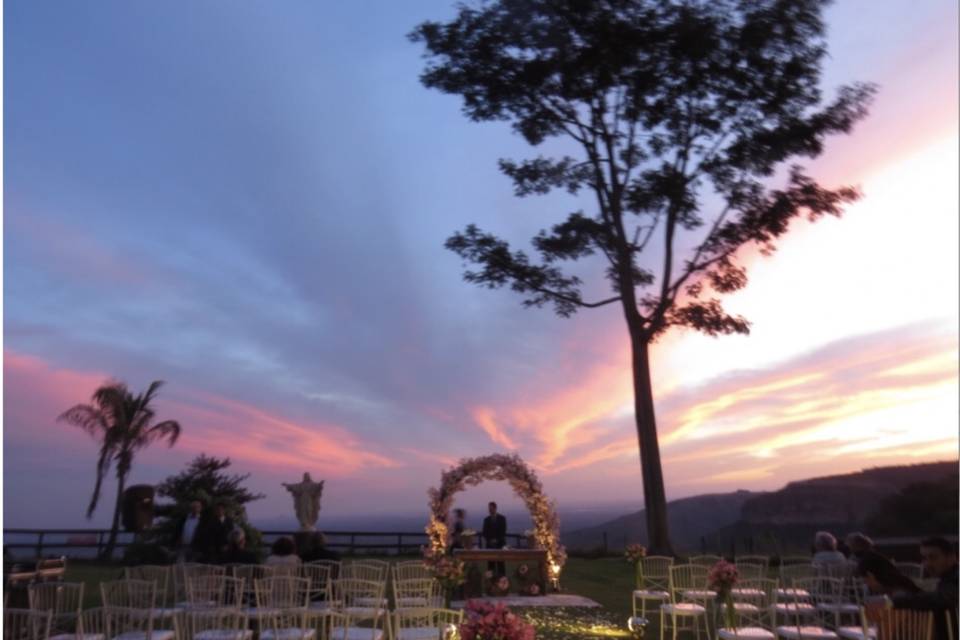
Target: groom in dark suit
(495, 536)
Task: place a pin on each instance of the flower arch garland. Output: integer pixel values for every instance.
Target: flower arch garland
(473, 471)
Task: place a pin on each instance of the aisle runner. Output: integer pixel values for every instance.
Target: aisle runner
(553, 600)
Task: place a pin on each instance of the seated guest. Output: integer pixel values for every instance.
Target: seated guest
(312, 545)
(859, 544)
(237, 552)
(883, 578)
(825, 546)
(283, 553)
(939, 561)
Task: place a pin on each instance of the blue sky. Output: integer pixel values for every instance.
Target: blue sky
(249, 201)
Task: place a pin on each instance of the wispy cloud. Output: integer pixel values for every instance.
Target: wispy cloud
(842, 399)
(37, 391)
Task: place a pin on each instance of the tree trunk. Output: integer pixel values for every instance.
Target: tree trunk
(654, 496)
(115, 527)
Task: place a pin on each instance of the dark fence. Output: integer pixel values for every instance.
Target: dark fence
(88, 543)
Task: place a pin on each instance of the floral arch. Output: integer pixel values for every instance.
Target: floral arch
(473, 471)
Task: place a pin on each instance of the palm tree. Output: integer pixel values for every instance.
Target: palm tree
(122, 422)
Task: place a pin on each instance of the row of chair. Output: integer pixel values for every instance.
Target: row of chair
(320, 573)
(806, 604)
(257, 592)
(120, 623)
(786, 564)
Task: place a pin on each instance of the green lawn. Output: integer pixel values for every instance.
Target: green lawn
(608, 581)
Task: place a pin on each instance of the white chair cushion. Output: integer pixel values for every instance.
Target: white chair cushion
(224, 634)
(157, 634)
(370, 602)
(646, 594)
(684, 609)
(792, 594)
(805, 633)
(748, 593)
(355, 633)
(751, 633)
(412, 602)
(745, 607)
(73, 636)
(291, 633)
(363, 612)
(856, 633)
(801, 608)
(418, 633)
(699, 594)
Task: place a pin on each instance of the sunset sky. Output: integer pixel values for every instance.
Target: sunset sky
(249, 201)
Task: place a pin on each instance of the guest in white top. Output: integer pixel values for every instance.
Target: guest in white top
(283, 553)
(826, 549)
(187, 545)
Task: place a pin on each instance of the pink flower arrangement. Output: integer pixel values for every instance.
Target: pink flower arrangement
(722, 577)
(448, 571)
(634, 553)
(493, 622)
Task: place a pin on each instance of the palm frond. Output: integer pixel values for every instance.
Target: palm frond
(152, 390)
(169, 429)
(87, 417)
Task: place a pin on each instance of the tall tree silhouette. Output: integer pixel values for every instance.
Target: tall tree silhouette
(682, 112)
(123, 424)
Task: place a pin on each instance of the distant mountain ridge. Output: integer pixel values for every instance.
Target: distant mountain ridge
(689, 519)
(839, 499)
(787, 516)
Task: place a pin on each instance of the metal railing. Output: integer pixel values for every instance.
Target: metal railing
(62, 541)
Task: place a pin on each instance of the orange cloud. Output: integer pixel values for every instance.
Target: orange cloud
(560, 420)
(484, 417)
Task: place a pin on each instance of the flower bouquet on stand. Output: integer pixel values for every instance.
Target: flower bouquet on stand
(486, 621)
(447, 570)
(497, 586)
(722, 578)
(527, 583)
(634, 554)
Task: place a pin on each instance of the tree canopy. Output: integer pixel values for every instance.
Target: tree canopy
(668, 101)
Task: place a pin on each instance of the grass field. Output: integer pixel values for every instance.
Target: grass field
(607, 581)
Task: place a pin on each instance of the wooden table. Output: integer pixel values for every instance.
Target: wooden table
(533, 556)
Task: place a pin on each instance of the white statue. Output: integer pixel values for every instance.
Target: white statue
(306, 501)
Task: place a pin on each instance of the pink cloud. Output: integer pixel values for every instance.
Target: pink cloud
(37, 391)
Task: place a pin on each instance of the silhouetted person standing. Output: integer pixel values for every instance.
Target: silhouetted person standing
(217, 533)
(495, 536)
